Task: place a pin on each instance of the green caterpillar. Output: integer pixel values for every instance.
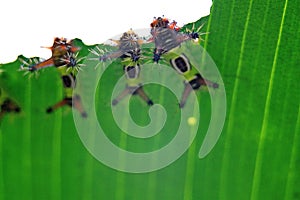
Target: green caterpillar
(64, 59)
(7, 104)
(129, 51)
(167, 41)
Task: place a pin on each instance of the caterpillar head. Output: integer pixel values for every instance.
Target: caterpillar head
(129, 41)
(160, 22)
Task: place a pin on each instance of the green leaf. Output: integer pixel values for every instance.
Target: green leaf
(255, 46)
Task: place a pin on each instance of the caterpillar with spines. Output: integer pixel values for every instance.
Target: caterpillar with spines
(167, 36)
(129, 51)
(64, 58)
(167, 40)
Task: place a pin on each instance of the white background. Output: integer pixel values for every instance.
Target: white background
(27, 25)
